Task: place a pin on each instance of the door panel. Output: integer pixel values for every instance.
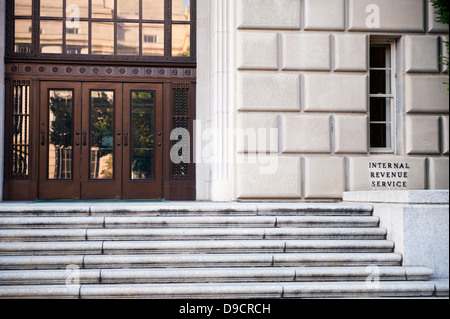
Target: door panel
(142, 134)
(101, 167)
(60, 121)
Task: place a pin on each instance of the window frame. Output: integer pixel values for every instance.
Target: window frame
(166, 59)
(393, 96)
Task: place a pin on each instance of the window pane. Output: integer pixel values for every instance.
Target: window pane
(103, 9)
(51, 36)
(153, 39)
(153, 9)
(102, 38)
(60, 135)
(128, 9)
(380, 82)
(181, 10)
(128, 39)
(51, 8)
(142, 135)
(380, 56)
(380, 109)
(22, 7)
(77, 37)
(380, 135)
(102, 135)
(181, 40)
(77, 9)
(22, 36)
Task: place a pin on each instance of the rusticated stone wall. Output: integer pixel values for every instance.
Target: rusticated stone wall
(302, 73)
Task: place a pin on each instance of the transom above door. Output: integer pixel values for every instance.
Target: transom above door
(98, 30)
(100, 140)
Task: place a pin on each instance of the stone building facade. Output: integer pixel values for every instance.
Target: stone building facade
(300, 83)
(305, 99)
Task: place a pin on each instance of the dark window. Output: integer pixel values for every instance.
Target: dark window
(381, 97)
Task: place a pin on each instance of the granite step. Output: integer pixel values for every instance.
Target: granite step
(226, 290)
(180, 209)
(219, 275)
(200, 260)
(187, 222)
(27, 235)
(192, 246)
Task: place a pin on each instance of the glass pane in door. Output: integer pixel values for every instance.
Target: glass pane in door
(142, 135)
(101, 135)
(60, 134)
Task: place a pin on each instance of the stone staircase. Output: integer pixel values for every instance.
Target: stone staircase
(200, 250)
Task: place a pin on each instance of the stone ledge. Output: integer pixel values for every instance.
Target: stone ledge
(401, 197)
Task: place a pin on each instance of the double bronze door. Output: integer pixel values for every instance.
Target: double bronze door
(100, 140)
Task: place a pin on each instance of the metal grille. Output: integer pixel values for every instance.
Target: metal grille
(20, 144)
(180, 119)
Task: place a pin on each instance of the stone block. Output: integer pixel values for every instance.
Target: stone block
(268, 14)
(438, 170)
(306, 51)
(257, 132)
(257, 50)
(306, 134)
(422, 53)
(387, 15)
(324, 15)
(385, 173)
(430, 197)
(324, 177)
(351, 133)
(425, 243)
(350, 52)
(261, 91)
(335, 93)
(422, 135)
(263, 177)
(445, 135)
(433, 25)
(420, 232)
(426, 93)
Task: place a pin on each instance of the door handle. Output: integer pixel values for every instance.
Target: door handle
(125, 135)
(43, 138)
(78, 134)
(84, 138)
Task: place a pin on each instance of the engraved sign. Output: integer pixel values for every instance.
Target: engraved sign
(389, 175)
(386, 173)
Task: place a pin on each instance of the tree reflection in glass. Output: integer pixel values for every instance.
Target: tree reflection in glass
(142, 135)
(60, 134)
(102, 135)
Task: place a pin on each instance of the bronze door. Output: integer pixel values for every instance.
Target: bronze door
(142, 141)
(101, 164)
(100, 140)
(60, 140)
